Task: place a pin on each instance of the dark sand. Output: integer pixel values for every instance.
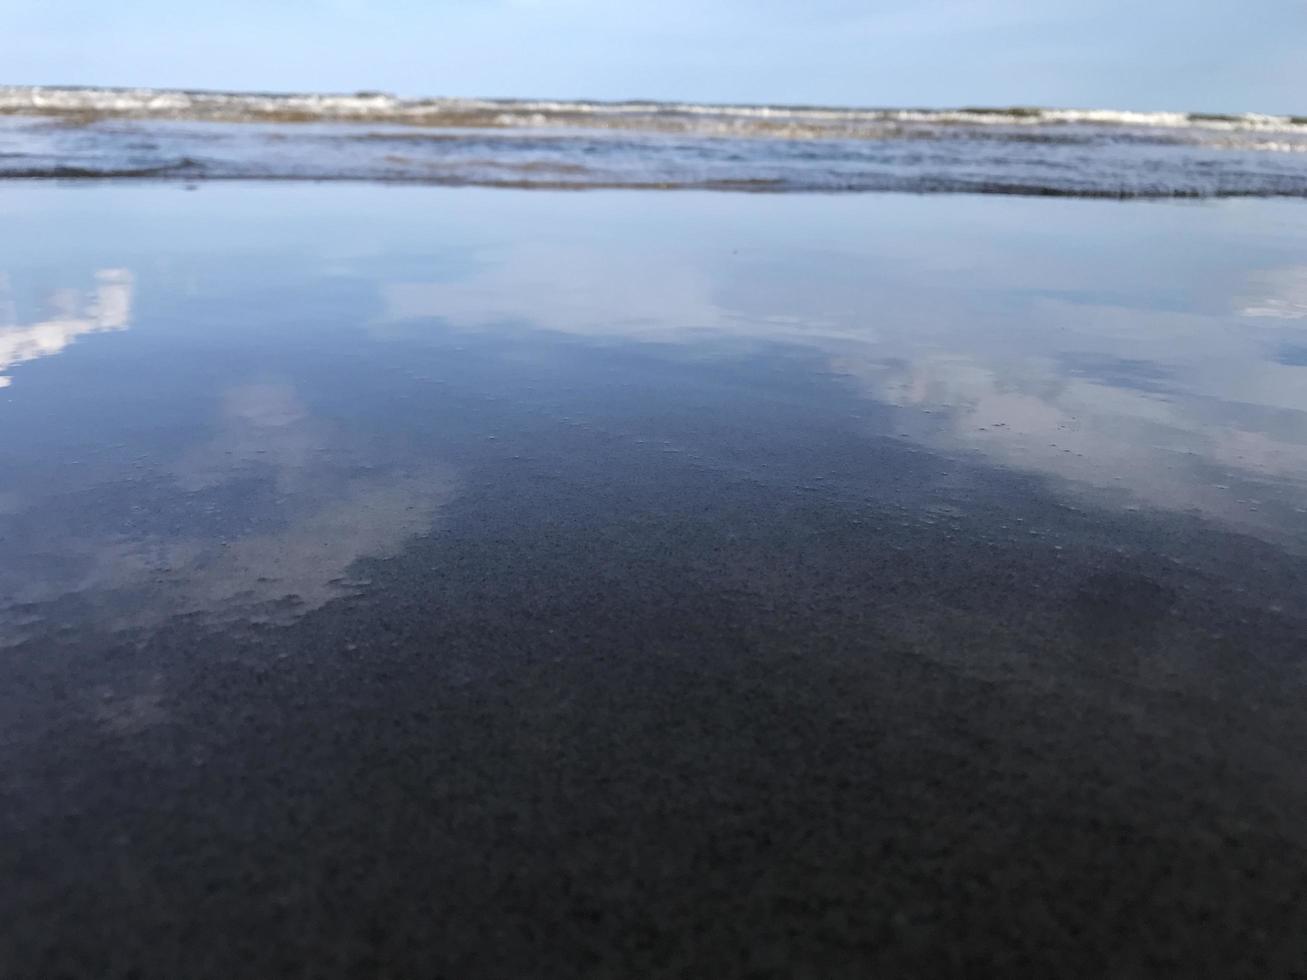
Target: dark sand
(703, 669)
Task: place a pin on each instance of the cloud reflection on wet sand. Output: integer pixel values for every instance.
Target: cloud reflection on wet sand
(107, 308)
(1178, 408)
(324, 502)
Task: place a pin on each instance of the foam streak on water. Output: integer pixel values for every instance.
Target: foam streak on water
(90, 133)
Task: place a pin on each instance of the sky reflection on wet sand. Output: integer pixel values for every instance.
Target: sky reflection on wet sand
(1135, 358)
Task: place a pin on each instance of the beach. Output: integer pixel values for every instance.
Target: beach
(420, 581)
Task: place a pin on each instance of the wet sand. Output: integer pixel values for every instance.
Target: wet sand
(348, 636)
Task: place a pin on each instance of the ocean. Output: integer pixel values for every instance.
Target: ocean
(180, 135)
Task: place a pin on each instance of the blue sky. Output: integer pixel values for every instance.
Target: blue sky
(1144, 54)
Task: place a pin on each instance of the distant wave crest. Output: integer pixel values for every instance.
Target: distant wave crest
(785, 121)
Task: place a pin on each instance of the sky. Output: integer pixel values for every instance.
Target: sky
(1204, 55)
